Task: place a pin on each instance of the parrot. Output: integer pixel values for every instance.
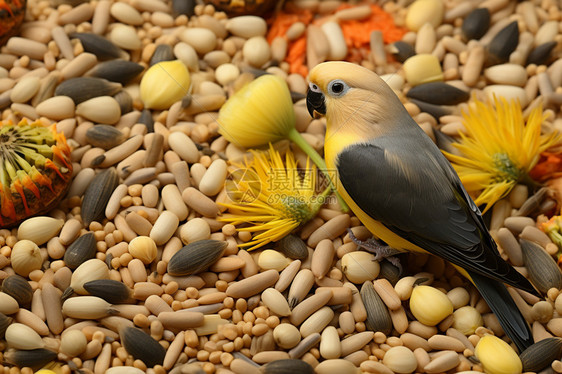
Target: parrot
(403, 189)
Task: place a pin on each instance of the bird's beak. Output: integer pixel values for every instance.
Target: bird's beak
(315, 104)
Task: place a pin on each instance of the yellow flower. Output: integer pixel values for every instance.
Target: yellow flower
(261, 112)
(499, 149)
(271, 198)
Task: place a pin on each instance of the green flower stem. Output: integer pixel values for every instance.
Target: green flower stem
(297, 138)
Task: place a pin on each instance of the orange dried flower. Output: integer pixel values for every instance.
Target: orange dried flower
(35, 169)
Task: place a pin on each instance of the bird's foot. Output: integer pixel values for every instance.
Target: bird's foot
(380, 249)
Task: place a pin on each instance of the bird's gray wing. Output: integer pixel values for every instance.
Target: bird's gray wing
(413, 190)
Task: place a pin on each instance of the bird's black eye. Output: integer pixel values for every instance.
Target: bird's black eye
(337, 87)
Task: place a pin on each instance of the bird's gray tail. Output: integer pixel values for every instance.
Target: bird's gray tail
(500, 301)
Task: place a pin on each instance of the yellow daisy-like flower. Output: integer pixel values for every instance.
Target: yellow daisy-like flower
(271, 197)
(499, 149)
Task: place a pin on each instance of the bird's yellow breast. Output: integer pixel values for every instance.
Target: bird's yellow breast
(334, 145)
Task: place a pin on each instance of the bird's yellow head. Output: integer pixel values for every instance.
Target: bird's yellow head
(355, 100)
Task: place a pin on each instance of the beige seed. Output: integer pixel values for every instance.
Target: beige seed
(77, 14)
(172, 200)
(181, 320)
(201, 39)
(81, 181)
(276, 302)
(86, 307)
(227, 73)
(336, 366)
(399, 319)
(534, 234)
(256, 51)
(125, 37)
(73, 343)
(142, 290)
(122, 151)
(53, 309)
(247, 26)
(56, 108)
(330, 346)
(473, 66)
(125, 13)
(317, 321)
(347, 322)
(195, 229)
(25, 257)
(25, 89)
(510, 245)
(187, 54)
(32, 320)
(39, 229)
(334, 34)
(271, 259)
(301, 285)
(79, 65)
(90, 109)
(414, 341)
(241, 366)
(400, 360)
(356, 342)
(329, 230)
(156, 305)
(508, 92)
(149, 195)
(322, 258)
(70, 231)
(387, 293)
(143, 248)
(164, 227)
(200, 203)
(213, 179)
(269, 356)
(286, 276)
(226, 264)
(517, 224)
(26, 47)
(252, 285)
(459, 296)
(442, 342)
(443, 362)
(183, 146)
(114, 204)
(357, 307)
(546, 32)
(286, 336)
(360, 266)
(340, 295)
(137, 270)
(512, 74)
(211, 323)
(250, 268)
(63, 42)
(20, 336)
(425, 39)
(174, 350)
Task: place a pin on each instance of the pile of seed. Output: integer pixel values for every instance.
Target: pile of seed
(133, 272)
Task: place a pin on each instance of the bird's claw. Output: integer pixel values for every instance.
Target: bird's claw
(380, 249)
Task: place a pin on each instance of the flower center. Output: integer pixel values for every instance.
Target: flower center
(506, 169)
(296, 208)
